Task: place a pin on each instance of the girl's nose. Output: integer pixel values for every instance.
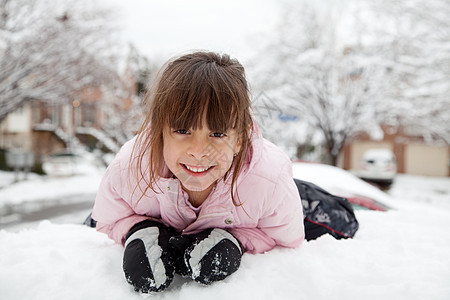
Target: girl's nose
(199, 147)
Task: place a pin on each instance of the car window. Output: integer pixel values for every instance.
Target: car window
(359, 207)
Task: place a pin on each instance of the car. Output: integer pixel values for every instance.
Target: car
(378, 166)
(69, 163)
(339, 182)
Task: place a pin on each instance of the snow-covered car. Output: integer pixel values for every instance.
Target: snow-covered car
(337, 181)
(378, 166)
(67, 163)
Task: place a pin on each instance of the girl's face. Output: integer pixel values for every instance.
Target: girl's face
(198, 158)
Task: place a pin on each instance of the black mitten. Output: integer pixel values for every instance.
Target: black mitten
(209, 256)
(147, 259)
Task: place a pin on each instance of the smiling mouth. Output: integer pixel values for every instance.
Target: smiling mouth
(197, 170)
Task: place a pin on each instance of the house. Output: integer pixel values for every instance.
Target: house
(414, 155)
(101, 116)
(45, 127)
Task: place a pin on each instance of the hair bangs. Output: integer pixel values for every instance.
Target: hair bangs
(190, 105)
(185, 106)
(221, 112)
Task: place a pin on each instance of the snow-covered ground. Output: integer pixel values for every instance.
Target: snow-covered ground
(400, 254)
(18, 201)
(45, 187)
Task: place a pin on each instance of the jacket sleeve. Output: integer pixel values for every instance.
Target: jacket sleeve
(114, 214)
(282, 221)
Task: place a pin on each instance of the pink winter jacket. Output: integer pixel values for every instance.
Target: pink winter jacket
(271, 213)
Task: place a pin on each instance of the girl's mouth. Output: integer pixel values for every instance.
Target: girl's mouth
(196, 171)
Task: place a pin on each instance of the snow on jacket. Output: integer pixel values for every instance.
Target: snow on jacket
(271, 213)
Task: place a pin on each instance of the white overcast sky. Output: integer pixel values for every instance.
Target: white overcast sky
(164, 28)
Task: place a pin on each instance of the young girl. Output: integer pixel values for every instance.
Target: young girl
(198, 186)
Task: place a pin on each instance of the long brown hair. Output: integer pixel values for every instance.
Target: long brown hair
(188, 88)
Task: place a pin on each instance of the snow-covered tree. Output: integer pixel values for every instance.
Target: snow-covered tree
(412, 41)
(315, 78)
(139, 69)
(368, 63)
(124, 111)
(50, 49)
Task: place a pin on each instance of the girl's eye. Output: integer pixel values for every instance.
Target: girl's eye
(182, 131)
(218, 134)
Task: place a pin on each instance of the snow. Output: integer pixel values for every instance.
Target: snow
(385, 154)
(400, 254)
(339, 182)
(42, 192)
(46, 187)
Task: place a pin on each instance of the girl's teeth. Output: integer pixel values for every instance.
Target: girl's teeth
(196, 170)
